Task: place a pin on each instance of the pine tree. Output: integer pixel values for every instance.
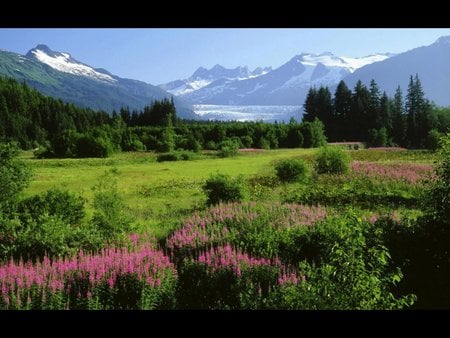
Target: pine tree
(342, 105)
(374, 106)
(359, 113)
(398, 118)
(324, 108)
(384, 118)
(415, 107)
(309, 106)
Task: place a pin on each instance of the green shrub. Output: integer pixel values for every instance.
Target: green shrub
(211, 145)
(14, 176)
(433, 139)
(356, 274)
(172, 156)
(222, 188)
(177, 156)
(62, 204)
(228, 148)
(332, 160)
(90, 146)
(291, 170)
(33, 238)
(188, 155)
(111, 215)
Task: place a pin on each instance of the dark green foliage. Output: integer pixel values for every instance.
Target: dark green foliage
(61, 204)
(177, 156)
(223, 188)
(356, 116)
(14, 176)
(90, 146)
(332, 160)
(291, 170)
(172, 156)
(377, 138)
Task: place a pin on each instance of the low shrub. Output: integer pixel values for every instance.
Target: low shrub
(291, 170)
(332, 160)
(228, 148)
(223, 188)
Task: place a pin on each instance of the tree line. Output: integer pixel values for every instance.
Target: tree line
(367, 115)
(59, 129)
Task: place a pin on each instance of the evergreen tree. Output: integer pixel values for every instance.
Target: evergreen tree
(384, 118)
(324, 108)
(342, 105)
(359, 113)
(310, 106)
(373, 110)
(418, 109)
(398, 119)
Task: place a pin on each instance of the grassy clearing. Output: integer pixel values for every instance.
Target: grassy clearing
(158, 194)
(154, 191)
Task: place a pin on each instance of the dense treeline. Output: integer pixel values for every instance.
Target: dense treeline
(367, 115)
(60, 129)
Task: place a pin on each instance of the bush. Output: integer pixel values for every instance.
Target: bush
(172, 156)
(355, 273)
(62, 204)
(433, 139)
(228, 148)
(111, 216)
(14, 176)
(177, 156)
(211, 145)
(222, 188)
(332, 160)
(89, 146)
(291, 170)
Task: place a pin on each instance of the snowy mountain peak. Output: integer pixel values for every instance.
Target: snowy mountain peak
(328, 59)
(203, 77)
(64, 62)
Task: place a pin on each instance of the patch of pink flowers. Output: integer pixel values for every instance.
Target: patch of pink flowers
(230, 258)
(214, 225)
(149, 265)
(408, 172)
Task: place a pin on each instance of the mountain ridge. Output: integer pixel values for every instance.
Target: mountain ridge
(287, 84)
(60, 75)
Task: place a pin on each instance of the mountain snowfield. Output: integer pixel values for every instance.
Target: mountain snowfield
(285, 85)
(63, 62)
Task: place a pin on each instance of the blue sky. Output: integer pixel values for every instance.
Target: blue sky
(161, 55)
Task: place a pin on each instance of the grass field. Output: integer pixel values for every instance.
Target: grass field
(158, 194)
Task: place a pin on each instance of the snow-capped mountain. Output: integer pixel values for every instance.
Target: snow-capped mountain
(60, 75)
(286, 85)
(64, 62)
(203, 77)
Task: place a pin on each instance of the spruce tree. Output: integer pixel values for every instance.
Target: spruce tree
(342, 106)
(309, 106)
(398, 118)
